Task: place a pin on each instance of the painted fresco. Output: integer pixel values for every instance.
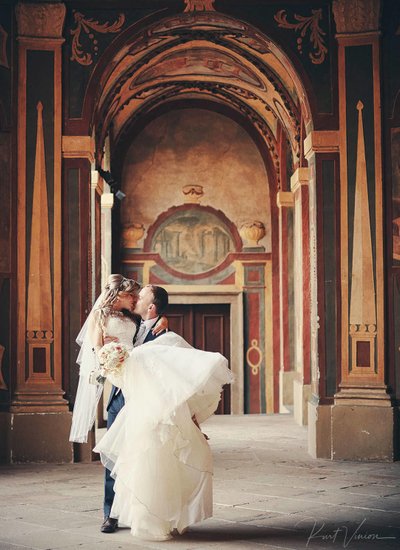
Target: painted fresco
(193, 242)
(196, 147)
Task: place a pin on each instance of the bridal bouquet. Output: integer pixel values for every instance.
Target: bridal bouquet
(111, 357)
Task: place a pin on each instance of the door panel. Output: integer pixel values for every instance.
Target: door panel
(206, 327)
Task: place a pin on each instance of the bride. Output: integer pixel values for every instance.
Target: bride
(161, 461)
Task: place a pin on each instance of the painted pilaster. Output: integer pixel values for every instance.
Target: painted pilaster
(321, 151)
(301, 384)
(107, 202)
(285, 203)
(38, 377)
(78, 157)
(362, 405)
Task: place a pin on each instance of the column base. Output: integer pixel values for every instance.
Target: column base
(286, 390)
(319, 430)
(33, 437)
(301, 395)
(363, 432)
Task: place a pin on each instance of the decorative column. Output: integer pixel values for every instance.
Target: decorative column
(301, 383)
(107, 203)
(38, 405)
(321, 149)
(285, 202)
(362, 415)
(78, 157)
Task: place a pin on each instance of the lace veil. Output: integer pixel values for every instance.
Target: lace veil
(87, 395)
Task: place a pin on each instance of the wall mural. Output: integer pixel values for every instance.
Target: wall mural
(192, 241)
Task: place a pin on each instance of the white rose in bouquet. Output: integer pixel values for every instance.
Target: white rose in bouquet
(111, 357)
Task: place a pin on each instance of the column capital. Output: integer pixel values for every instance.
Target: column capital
(285, 199)
(40, 20)
(300, 177)
(107, 200)
(326, 141)
(77, 147)
(356, 16)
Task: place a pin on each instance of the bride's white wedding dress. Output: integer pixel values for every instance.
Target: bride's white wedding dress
(161, 461)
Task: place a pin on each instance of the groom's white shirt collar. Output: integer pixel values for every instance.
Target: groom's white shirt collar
(148, 323)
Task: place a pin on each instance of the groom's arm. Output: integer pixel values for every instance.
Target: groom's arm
(159, 327)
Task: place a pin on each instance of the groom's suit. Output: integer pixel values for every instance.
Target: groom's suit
(115, 404)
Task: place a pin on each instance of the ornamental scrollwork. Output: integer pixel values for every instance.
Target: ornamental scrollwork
(87, 26)
(304, 24)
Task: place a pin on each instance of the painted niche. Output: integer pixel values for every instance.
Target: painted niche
(192, 239)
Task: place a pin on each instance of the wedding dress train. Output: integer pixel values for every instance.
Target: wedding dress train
(161, 461)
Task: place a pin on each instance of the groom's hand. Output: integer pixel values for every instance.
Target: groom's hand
(160, 326)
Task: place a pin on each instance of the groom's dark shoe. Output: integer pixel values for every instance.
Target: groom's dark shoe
(109, 525)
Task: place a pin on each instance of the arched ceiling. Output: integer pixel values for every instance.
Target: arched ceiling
(202, 55)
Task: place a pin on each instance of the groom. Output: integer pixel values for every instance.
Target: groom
(151, 304)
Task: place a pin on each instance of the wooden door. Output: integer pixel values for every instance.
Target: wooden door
(206, 327)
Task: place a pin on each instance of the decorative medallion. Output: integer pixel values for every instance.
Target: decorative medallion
(305, 24)
(199, 5)
(88, 25)
(254, 357)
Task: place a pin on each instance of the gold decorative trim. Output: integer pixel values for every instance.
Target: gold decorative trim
(255, 367)
(39, 307)
(87, 25)
(199, 5)
(362, 297)
(304, 24)
(40, 20)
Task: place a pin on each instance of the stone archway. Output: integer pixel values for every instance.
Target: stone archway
(228, 65)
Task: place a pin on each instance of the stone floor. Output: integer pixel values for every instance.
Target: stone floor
(268, 493)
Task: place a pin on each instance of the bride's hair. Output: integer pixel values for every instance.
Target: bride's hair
(115, 283)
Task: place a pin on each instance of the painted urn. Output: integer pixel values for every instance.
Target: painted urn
(193, 193)
(252, 232)
(131, 234)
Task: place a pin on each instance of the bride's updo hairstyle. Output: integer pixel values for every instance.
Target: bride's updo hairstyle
(116, 283)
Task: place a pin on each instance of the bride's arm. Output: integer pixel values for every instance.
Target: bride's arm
(95, 333)
(160, 326)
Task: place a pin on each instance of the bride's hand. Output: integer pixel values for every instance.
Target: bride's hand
(160, 326)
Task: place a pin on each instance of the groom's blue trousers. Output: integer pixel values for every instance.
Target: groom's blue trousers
(115, 406)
